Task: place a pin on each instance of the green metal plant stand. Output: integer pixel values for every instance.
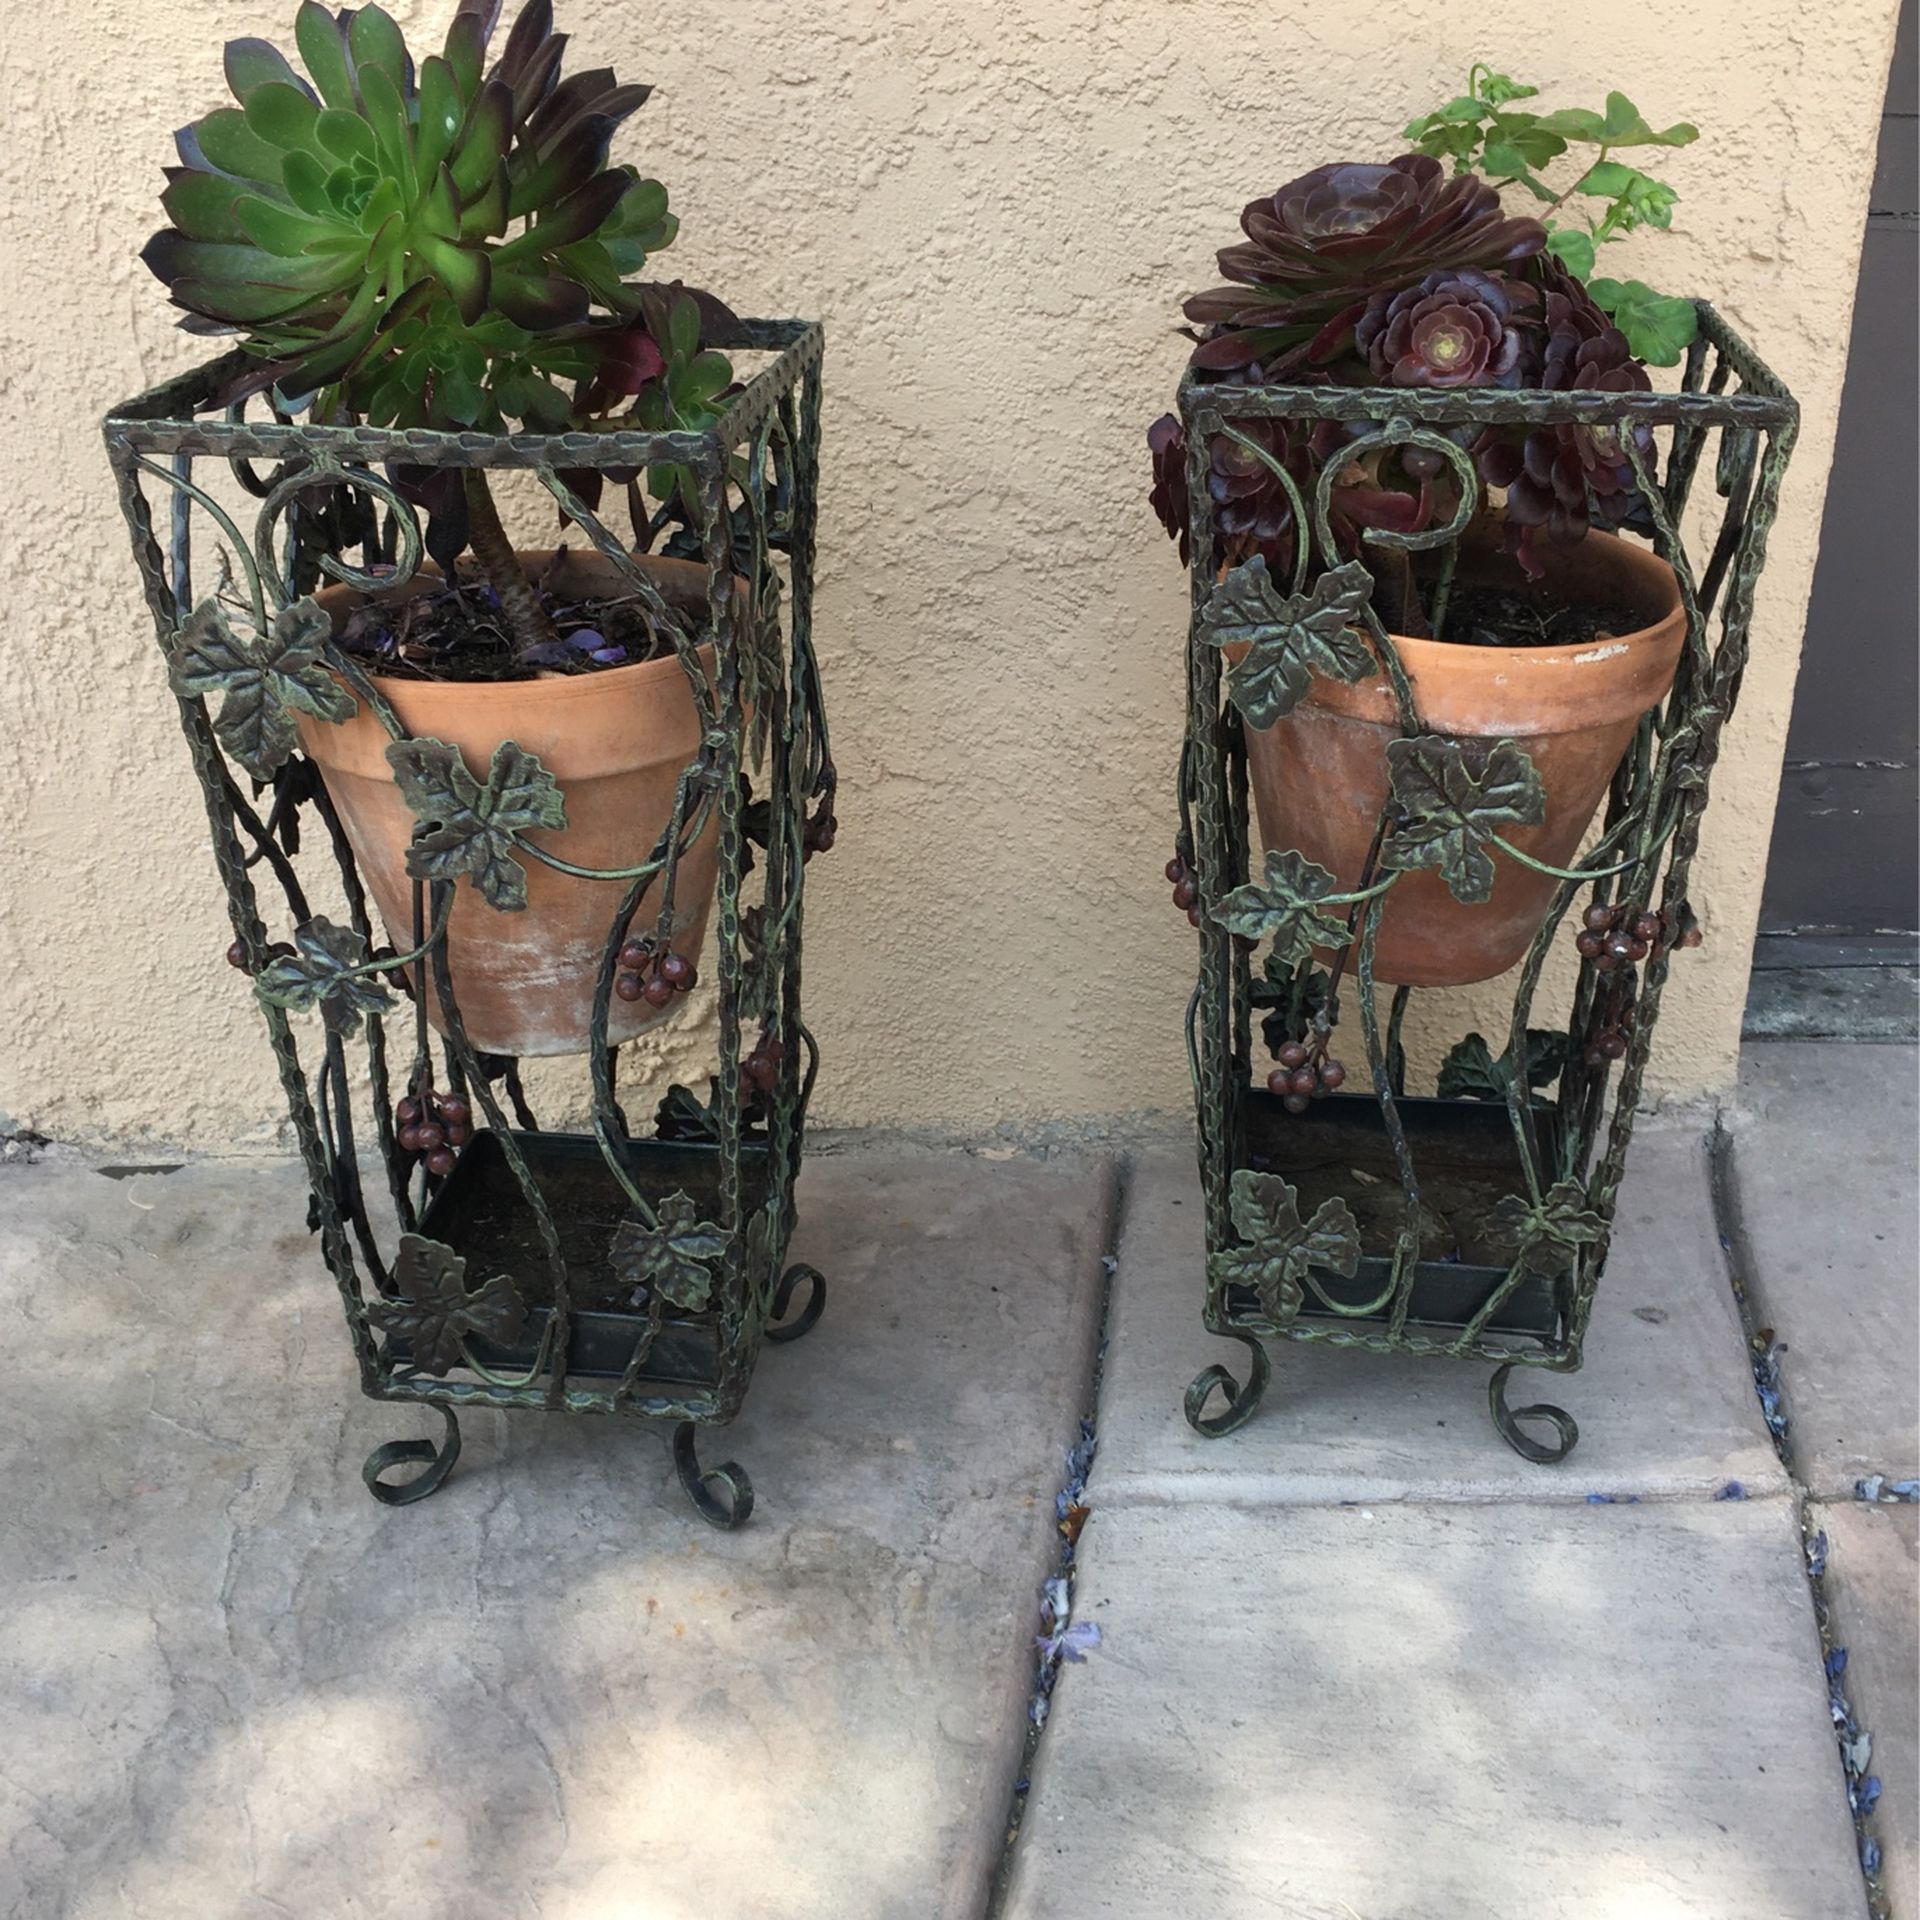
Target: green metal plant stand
(1473, 1220)
(635, 1269)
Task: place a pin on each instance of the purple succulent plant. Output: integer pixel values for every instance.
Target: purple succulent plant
(1559, 479)
(1322, 245)
(1459, 328)
(1253, 513)
(1399, 275)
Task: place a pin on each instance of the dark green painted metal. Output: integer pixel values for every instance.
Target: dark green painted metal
(722, 1288)
(1569, 1150)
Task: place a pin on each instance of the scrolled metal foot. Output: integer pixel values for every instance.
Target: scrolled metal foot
(1241, 1401)
(1507, 1420)
(395, 1453)
(804, 1321)
(726, 1514)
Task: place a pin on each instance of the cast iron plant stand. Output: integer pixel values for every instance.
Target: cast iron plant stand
(1538, 1171)
(632, 1271)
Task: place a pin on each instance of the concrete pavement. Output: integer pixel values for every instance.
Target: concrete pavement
(235, 1687)
(1356, 1660)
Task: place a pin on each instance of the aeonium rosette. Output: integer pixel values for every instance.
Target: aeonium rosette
(1561, 479)
(1319, 246)
(1455, 328)
(1404, 276)
(441, 244)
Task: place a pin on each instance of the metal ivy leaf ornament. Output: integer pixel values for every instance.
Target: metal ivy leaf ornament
(1449, 812)
(323, 971)
(435, 1313)
(1283, 902)
(1473, 1071)
(266, 679)
(683, 1115)
(467, 828)
(759, 1256)
(759, 977)
(1288, 640)
(1548, 1233)
(674, 1258)
(1281, 1248)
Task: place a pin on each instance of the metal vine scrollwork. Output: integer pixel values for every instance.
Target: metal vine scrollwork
(1472, 1219)
(780, 1329)
(637, 1268)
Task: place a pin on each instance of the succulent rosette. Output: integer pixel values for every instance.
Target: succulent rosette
(1171, 498)
(1251, 507)
(1322, 245)
(1454, 328)
(1560, 479)
(1400, 276)
(442, 245)
(1250, 503)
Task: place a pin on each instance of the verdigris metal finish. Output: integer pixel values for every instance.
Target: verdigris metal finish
(619, 1273)
(1385, 1262)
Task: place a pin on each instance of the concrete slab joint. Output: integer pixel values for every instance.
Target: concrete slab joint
(1823, 1181)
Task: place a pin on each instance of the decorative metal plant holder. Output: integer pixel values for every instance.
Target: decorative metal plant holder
(1473, 1223)
(635, 1270)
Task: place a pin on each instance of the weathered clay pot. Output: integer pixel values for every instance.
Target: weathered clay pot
(616, 741)
(1319, 776)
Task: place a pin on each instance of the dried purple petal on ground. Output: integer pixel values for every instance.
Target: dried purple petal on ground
(1072, 1643)
(1877, 1487)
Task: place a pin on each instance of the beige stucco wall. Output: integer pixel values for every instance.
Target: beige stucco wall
(995, 208)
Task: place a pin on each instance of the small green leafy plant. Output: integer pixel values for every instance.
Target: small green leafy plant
(1483, 131)
(440, 245)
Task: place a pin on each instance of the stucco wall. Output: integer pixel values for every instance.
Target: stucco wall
(995, 208)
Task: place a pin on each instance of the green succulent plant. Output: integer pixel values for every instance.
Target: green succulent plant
(441, 245)
(359, 228)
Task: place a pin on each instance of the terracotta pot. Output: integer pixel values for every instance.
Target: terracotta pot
(1319, 776)
(616, 740)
